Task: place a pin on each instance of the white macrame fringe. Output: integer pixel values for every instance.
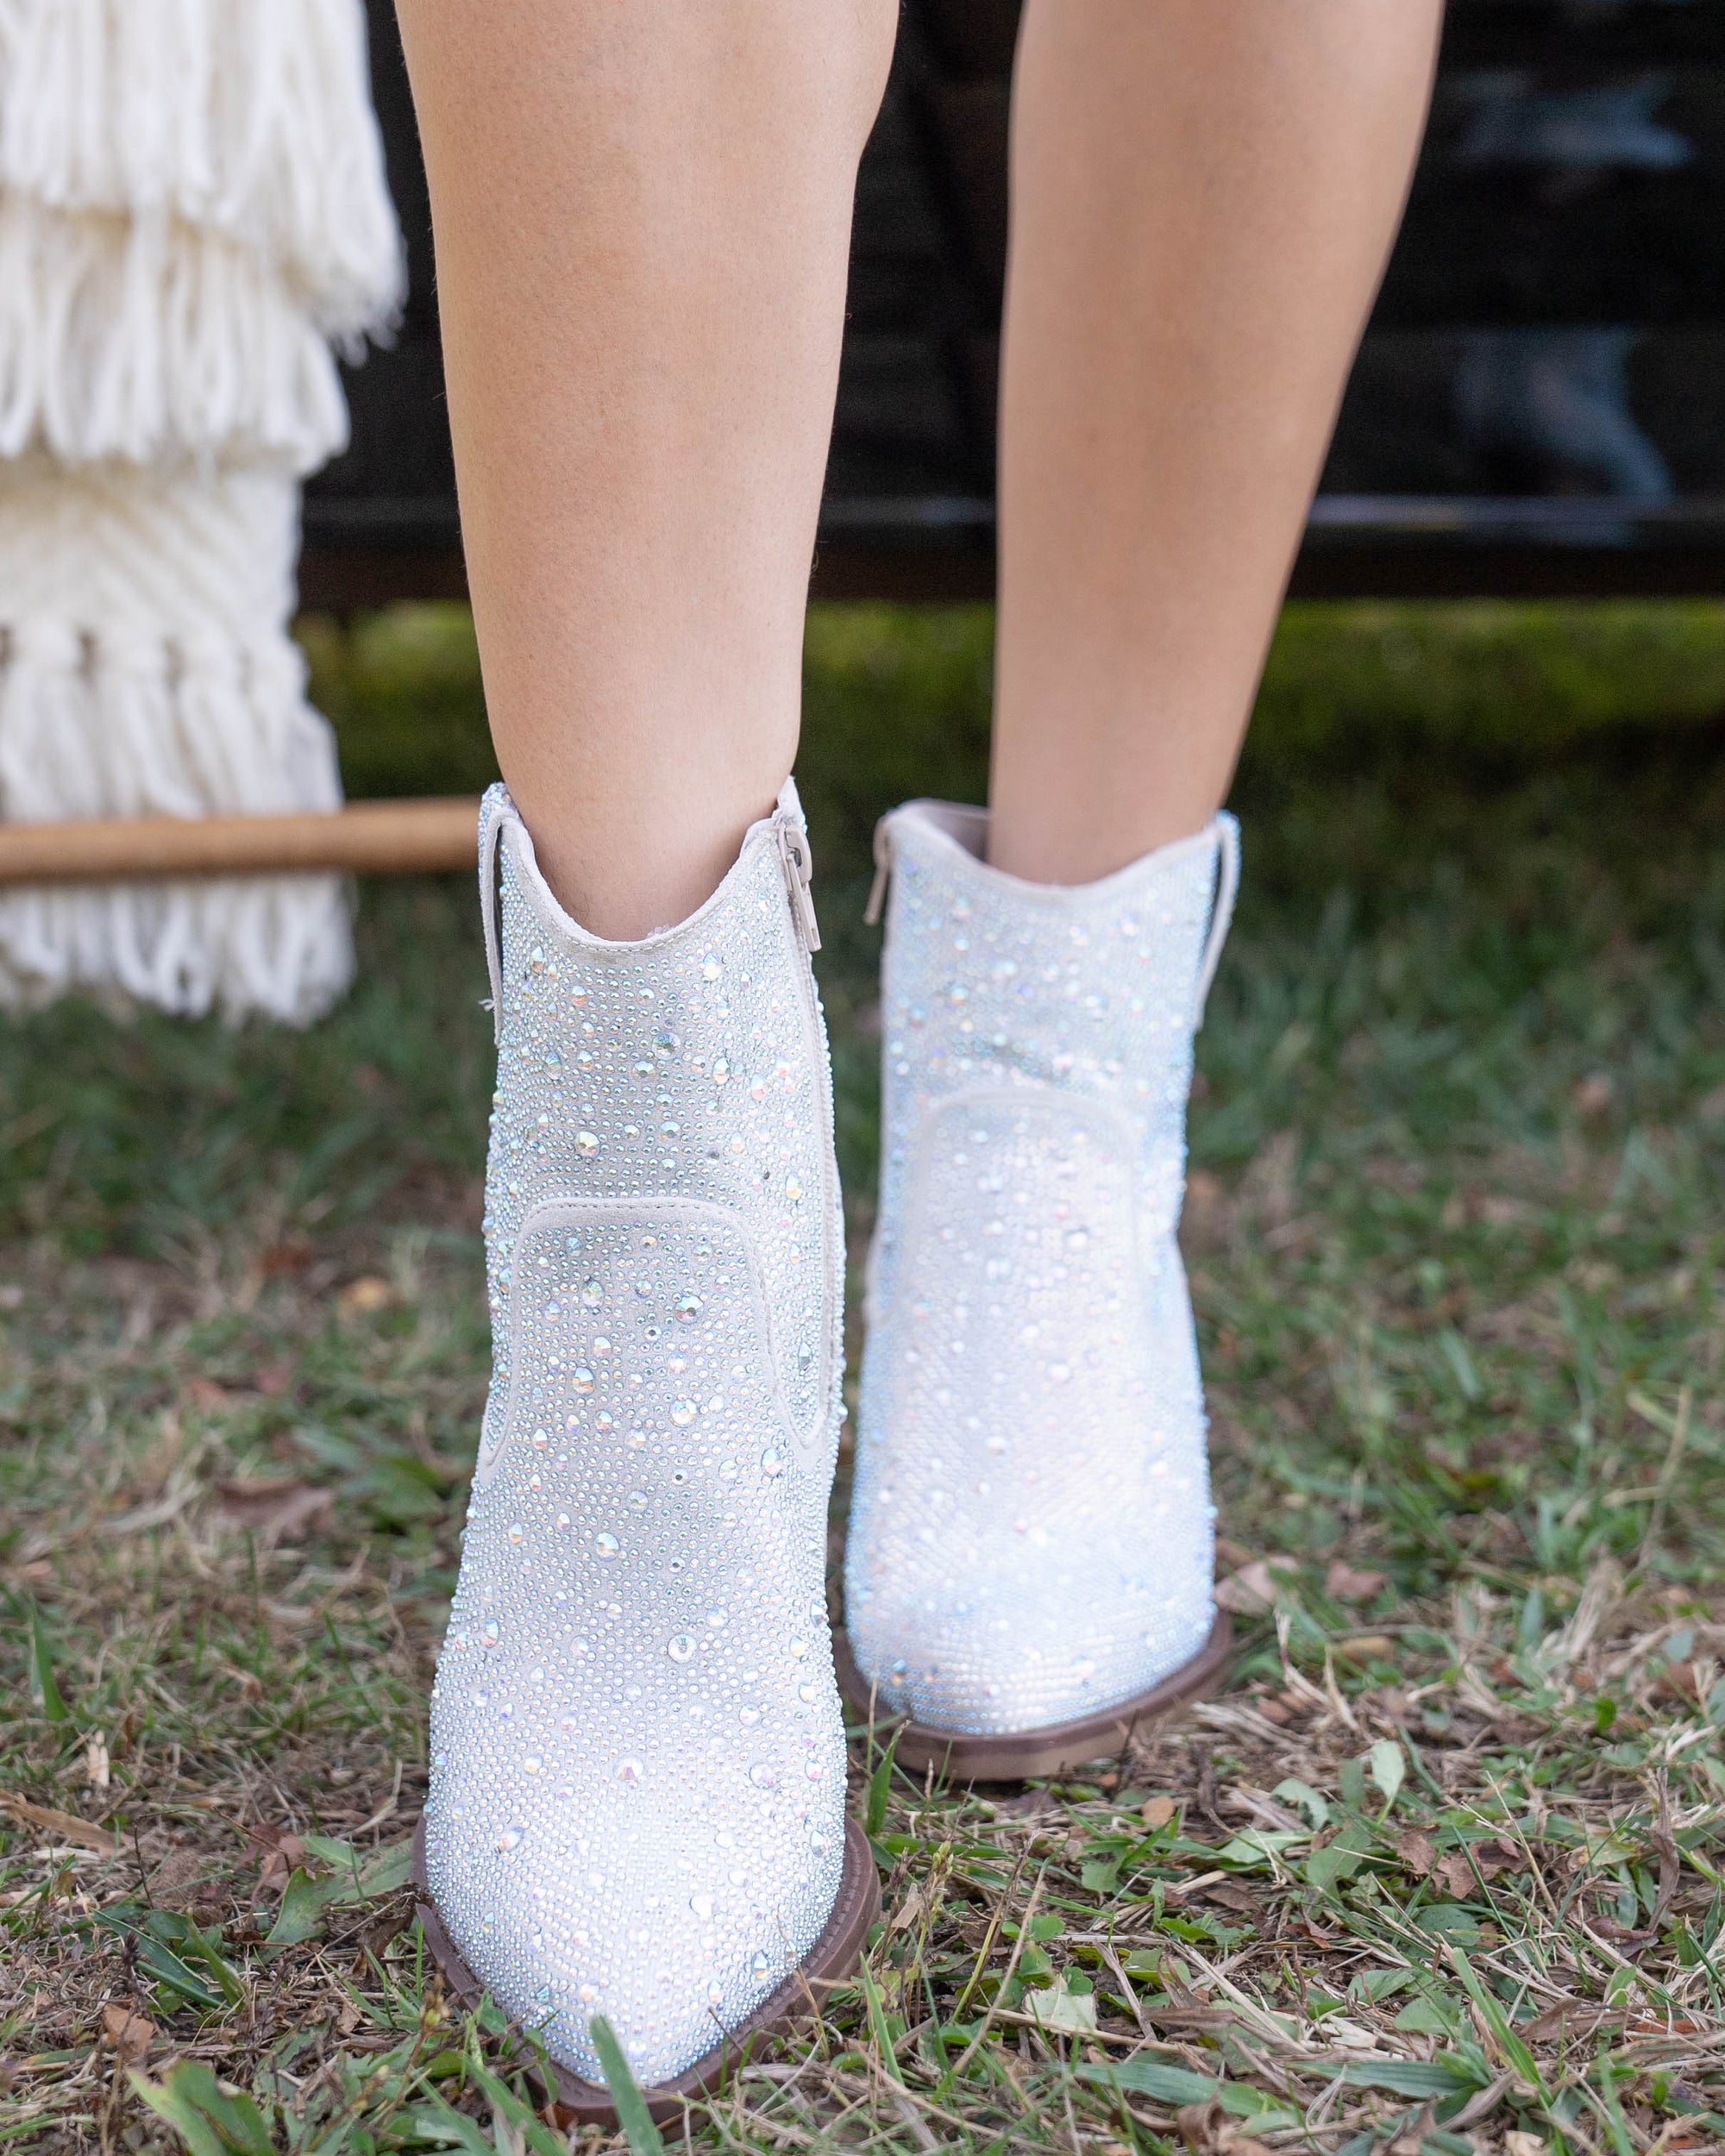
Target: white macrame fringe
(146, 669)
(192, 200)
(249, 117)
(146, 337)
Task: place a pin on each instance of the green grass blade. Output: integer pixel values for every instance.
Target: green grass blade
(1610, 2105)
(209, 2122)
(880, 1788)
(172, 2104)
(517, 2115)
(877, 2022)
(43, 1690)
(1514, 2051)
(1148, 2078)
(435, 2120)
(632, 2115)
(1446, 2076)
(227, 1977)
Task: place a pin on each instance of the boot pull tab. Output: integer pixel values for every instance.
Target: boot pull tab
(883, 873)
(493, 809)
(1222, 913)
(797, 862)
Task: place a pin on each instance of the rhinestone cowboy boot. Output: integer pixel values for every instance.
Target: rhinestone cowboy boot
(1029, 1571)
(637, 1805)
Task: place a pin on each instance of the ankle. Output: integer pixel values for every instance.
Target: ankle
(643, 868)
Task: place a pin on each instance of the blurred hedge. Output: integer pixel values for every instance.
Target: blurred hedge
(897, 698)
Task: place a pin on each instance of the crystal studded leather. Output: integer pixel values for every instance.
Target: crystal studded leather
(637, 1783)
(1031, 1531)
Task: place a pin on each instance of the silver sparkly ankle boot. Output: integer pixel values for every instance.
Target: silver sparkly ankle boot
(1029, 1568)
(636, 1806)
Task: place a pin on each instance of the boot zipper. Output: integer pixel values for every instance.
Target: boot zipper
(797, 862)
(883, 872)
(798, 867)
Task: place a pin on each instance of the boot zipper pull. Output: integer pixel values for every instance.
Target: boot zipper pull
(883, 871)
(799, 866)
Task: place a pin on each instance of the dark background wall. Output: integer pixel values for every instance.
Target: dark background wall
(1540, 404)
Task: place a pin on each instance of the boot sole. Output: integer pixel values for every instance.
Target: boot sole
(830, 1962)
(1027, 1754)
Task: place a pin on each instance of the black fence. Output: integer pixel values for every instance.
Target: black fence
(1539, 406)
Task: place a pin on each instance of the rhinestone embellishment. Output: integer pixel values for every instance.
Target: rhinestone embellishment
(1031, 1531)
(633, 1577)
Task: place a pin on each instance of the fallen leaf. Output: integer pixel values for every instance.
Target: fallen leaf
(1463, 1870)
(1254, 1588)
(1158, 1811)
(1569, 2022)
(362, 1296)
(65, 1826)
(1684, 1679)
(1273, 1711)
(349, 2018)
(1456, 1874)
(1417, 1851)
(1595, 1094)
(204, 1392)
(1204, 1216)
(906, 1913)
(129, 2032)
(376, 1935)
(280, 1855)
(1525, 2145)
(1495, 1857)
(281, 1508)
(1056, 2007)
(1347, 1585)
(1208, 2130)
(293, 1254)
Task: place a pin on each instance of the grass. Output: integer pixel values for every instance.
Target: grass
(1442, 1865)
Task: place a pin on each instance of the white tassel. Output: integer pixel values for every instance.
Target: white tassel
(148, 337)
(191, 201)
(145, 669)
(249, 117)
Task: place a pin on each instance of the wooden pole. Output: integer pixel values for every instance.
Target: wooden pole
(377, 838)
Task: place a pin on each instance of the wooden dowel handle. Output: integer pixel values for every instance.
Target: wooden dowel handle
(367, 838)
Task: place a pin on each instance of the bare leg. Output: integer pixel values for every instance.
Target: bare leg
(642, 219)
(1203, 199)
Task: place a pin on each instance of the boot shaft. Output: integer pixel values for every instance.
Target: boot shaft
(692, 1065)
(1093, 993)
(1030, 1533)
(636, 1796)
